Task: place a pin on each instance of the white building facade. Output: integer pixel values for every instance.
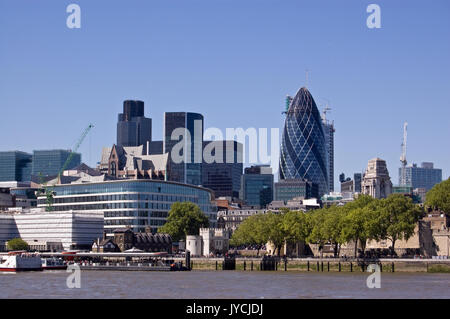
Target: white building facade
(53, 230)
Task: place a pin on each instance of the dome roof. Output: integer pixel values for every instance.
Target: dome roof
(303, 101)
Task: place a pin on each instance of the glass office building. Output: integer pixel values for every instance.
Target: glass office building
(257, 186)
(133, 203)
(425, 176)
(329, 130)
(50, 162)
(133, 128)
(303, 153)
(15, 166)
(289, 189)
(223, 175)
(189, 169)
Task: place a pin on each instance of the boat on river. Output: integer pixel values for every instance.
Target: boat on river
(20, 261)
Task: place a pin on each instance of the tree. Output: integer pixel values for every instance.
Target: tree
(185, 218)
(439, 196)
(297, 226)
(272, 225)
(358, 221)
(17, 244)
(332, 227)
(397, 218)
(317, 234)
(250, 232)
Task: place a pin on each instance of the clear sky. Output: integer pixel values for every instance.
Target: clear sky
(234, 61)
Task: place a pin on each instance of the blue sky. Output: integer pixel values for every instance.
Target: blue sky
(234, 61)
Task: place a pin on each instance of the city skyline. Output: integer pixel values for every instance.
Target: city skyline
(389, 76)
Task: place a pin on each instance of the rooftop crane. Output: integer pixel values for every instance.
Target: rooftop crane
(403, 156)
(48, 191)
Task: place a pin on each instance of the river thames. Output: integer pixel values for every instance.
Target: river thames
(222, 284)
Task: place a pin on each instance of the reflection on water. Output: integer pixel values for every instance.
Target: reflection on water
(222, 284)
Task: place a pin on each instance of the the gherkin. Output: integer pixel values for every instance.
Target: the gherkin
(303, 152)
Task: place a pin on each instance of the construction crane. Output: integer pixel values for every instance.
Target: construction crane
(403, 156)
(325, 111)
(48, 190)
(72, 153)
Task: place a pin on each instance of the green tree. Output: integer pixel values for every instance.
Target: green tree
(332, 227)
(297, 226)
(17, 244)
(272, 225)
(185, 218)
(397, 218)
(251, 232)
(357, 221)
(439, 196)
(317, 234)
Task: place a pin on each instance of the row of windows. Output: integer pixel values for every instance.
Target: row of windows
(119, 205)
(134, 222)
(136, 214)
(122, 197)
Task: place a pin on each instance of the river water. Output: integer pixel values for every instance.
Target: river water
(222, 284)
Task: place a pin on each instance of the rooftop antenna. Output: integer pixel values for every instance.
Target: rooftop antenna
(307, 75)
(403, 156)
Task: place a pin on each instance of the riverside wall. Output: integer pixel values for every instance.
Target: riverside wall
(329, 264)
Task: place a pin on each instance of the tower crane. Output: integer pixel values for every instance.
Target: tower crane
(403, 160)
(48, 191)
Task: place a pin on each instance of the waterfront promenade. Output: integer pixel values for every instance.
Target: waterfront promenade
(329, 264)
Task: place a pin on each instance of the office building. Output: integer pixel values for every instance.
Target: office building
(376, 181)
(187, 144)
(222, 168)
(257, 186)
(63, 230)
(349, 185)
(288, 189)
(425, 176)
(303, 153)
(357, 178)
(15, 166)
(50, 162)
(329, 130)
(131, 203)
(133, 128)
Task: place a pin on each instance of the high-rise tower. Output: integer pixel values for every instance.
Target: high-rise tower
(303, 153)
(133, 128)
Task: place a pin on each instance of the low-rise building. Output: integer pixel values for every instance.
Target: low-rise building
(65, 230)
(126, 239)
(209, 242)
(231, 219)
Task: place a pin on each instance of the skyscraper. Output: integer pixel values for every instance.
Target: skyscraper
(257, 186)
(50, 162)
(329, 146)
(133, 128)
(186, 159)
(425, 176)
(303, 154)
(223, 176)
(15, 166)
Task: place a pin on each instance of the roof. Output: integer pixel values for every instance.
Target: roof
(303, 101)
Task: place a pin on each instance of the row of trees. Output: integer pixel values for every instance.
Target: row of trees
(393, 218)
